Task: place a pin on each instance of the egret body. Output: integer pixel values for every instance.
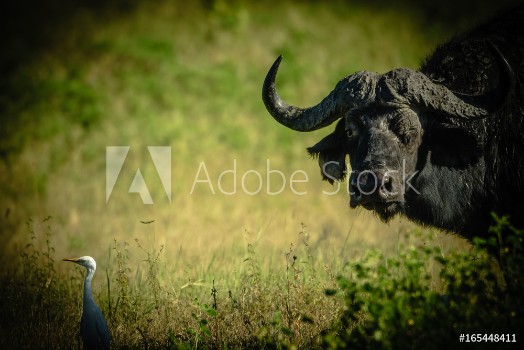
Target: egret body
(93, 325)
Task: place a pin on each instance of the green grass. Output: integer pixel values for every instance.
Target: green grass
(158, 305)
(189, 76)
(421, 297)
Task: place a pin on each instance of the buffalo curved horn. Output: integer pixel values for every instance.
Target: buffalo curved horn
(356, 90)
(418, 90)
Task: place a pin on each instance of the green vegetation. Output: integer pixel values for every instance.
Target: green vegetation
(215, 270)
(153, 306)
(419, 298)
(393, 303)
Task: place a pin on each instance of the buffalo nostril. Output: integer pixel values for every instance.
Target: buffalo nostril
(354, 190)
(387, 183)
(366, 182)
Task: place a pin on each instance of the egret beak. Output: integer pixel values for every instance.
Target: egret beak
(71, 259)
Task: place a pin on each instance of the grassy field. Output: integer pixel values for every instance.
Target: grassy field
(201, 269)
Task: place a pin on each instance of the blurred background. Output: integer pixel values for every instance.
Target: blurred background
(79, 76)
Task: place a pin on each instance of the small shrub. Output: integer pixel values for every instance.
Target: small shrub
(391, 303)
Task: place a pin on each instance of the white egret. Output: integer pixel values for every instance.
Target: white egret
(93, 325)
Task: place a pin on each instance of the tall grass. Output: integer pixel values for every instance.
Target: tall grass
(150, 306)
(373, 301)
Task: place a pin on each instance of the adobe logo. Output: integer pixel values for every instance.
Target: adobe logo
(115, 159)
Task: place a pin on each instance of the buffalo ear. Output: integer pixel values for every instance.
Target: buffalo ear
(331, 153)
(453, 146)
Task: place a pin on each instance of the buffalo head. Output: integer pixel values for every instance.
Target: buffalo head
(390, 125)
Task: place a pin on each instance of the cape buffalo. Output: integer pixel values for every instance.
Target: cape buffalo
(442, 145)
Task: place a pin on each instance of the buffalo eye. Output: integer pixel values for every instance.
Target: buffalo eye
(408, 136)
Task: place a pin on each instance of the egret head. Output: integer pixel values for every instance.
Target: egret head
(85, 261)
